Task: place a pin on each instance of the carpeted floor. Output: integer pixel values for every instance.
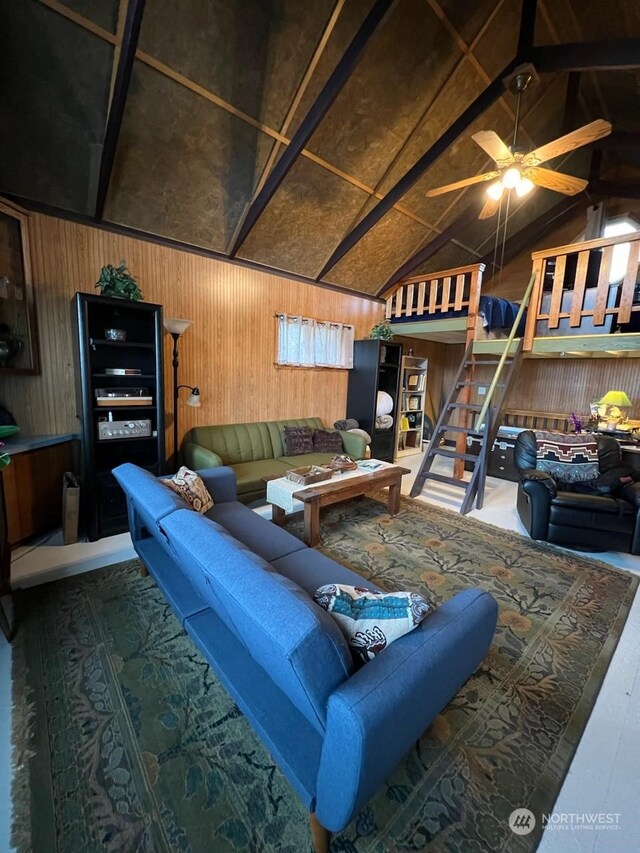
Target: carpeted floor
(124, 740)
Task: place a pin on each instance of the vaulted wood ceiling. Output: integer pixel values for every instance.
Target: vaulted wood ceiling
(182, 120)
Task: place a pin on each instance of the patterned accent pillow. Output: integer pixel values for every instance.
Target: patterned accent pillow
(298, 440)
(372, 620)
(327, 441)
(568, 458)
(191, 489)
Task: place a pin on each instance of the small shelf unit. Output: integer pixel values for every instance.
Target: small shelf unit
(413, 390)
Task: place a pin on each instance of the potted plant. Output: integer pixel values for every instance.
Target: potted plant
(118, 283)
(381, 331)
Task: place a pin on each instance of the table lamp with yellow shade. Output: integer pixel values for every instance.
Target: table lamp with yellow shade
(613, 410)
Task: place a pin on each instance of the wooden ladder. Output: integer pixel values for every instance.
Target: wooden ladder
(459, 411)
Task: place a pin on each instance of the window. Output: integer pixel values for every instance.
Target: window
(303, 342)
(620, 257)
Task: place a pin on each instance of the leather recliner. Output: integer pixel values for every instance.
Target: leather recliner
(605, 516)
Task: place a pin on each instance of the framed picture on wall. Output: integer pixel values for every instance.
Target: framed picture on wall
(18, 344)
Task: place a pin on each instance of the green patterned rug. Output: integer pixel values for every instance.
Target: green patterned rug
(125, 741)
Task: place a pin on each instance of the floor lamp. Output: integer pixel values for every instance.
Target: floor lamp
(176, 328)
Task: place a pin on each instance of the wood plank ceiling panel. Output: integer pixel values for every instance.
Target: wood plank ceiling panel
(371, 261)
(184, 167)
(408, 60)
(304, 220)
(53, 106)
(250, 53)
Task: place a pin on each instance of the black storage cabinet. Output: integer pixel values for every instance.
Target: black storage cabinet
(104, 510)
(376, 367)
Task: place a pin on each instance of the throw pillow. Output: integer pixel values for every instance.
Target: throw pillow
(298, 440)
(326, 441)
(567, 458)
(371, 620)
(191, 489)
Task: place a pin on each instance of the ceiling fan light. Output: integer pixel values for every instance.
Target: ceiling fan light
(523, 187)
(494, 190)
(510, 177)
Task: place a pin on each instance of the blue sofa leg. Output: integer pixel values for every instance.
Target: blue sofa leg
(319, 835)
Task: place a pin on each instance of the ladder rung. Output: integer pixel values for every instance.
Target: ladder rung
(448, 428)
(442, 478)
(472, 406)
(454, 454)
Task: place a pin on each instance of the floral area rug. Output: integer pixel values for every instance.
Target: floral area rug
(124, 740)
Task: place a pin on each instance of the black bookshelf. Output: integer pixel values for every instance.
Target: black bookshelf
(376, 367)
(102, 500)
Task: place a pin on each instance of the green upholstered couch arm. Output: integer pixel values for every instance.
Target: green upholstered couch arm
(196, 456)
(354, 445)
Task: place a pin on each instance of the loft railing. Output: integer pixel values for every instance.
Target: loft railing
(572, 288)
(429, 296)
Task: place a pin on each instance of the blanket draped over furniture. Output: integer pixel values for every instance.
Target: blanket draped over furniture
(125, 739)
(257, 450)
(243, 590)
(598, 514)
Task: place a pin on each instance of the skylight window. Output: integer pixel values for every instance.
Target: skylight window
(620, 257)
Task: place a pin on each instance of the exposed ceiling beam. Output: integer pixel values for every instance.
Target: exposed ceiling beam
(535, 230)
(484, 100)
(570, 115)
(527, 29)
(615, 189)
(332, 88)
(585, 56)
(128, 46)
(433, 246)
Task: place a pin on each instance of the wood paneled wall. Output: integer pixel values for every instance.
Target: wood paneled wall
(571, 384)
(229, 351)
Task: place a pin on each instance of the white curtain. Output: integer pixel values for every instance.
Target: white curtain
(303, 342)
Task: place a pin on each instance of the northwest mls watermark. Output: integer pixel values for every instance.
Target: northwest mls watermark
(523, 821)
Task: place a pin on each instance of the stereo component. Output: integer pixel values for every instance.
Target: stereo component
(108, 430)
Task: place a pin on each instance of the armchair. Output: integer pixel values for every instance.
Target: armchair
(603, 516)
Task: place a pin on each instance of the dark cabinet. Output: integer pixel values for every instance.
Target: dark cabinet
(376, 367)
(120, 401)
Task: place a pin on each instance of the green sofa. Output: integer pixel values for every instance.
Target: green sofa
(256, 450)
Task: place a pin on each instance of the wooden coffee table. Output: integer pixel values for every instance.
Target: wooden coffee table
(338, 490)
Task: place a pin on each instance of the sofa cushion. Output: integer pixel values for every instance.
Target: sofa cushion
(235, 443)
(370, 620)
(276, 431)
(312, 569)
(250, 475)
(321, 459)
(295, 641)
(153, 501)
(298, 440)
(263, 537)
(189, 486)
(327, 441)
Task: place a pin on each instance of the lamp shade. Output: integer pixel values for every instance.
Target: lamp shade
(615, 398)
(194, 398)
(175, 326)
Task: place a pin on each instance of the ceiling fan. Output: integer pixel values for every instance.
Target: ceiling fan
(518, 170)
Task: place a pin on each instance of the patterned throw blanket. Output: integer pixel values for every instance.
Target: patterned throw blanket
(568, 458)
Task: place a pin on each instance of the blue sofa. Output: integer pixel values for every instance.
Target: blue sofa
(243, 590)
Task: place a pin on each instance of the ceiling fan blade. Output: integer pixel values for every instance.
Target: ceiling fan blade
(490, 142)
(557, 181)
(458, 185)
(489, 209)
(576, 139)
